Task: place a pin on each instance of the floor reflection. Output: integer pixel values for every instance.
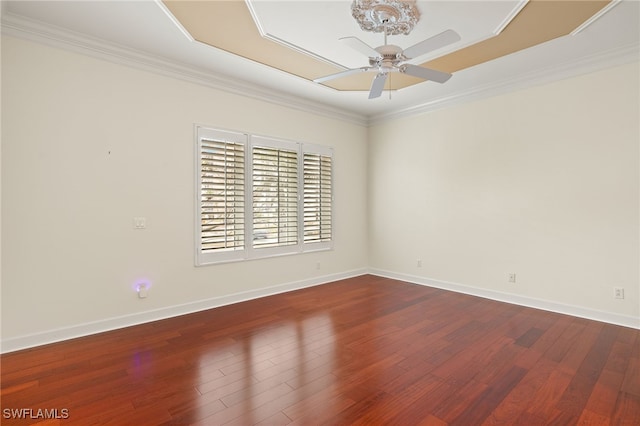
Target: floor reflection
(250, 370)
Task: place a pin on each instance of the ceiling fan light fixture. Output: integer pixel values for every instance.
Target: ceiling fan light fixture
(397, 16)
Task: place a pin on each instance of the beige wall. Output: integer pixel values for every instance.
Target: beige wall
(88, 145)
(541, 182)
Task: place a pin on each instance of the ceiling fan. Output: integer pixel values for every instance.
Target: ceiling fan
(390, 58)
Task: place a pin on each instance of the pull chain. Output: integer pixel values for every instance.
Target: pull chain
(384, 27)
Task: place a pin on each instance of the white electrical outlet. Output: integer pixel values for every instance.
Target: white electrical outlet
(142, 291)
(618, 293)
(511, 277)
(317, 265)
(419, 263)
(139, 222)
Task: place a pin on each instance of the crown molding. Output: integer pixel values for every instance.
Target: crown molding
(612, 58)
(20, 27)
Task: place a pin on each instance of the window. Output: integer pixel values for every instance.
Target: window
(260, 197)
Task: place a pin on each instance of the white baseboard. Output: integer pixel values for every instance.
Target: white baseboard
(546, 305)
(72, 332)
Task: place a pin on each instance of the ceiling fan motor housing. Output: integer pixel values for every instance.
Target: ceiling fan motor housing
(390, 56)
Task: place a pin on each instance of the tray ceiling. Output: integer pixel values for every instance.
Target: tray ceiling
(301, 37)
(272, 50)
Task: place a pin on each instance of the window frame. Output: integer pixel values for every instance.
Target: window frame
(249, 252)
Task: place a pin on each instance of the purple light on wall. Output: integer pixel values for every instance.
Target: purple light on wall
(137, 284)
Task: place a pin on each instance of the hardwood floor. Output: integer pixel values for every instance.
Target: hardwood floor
(362, 351)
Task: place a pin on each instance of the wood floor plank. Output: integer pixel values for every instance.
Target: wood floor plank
(627, 411)
(566, 341)
(330, 399)
(582, 385)
(530, 337)
(631, 383)
(450, 407)
(364, 351)
(481, 407)
(545, 399)
(516, 401)
(602, 400)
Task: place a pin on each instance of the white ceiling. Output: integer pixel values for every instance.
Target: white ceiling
(127, 29)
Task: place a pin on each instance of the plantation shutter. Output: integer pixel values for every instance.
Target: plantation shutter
(275, 196)
(258, 197)
(318, 197)
(220, 201)
(222, 195)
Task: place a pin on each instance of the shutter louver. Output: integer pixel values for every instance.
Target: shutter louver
(275, 197)
(222, 195)
(317, 215)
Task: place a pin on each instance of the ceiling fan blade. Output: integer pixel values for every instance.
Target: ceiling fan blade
(425, 73)
(359, 45)
(341, 74)
(430, 44)
(377, 86)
